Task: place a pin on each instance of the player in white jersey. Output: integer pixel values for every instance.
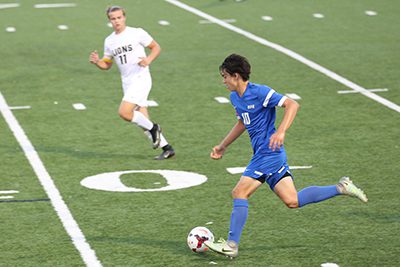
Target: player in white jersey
(126, 47)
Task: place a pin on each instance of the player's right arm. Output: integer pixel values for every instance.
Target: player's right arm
(103, 64)
(236, 131)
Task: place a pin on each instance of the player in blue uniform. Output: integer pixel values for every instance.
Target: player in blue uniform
(255, 109)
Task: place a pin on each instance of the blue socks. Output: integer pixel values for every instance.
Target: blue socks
(238, 219)
(314, 194)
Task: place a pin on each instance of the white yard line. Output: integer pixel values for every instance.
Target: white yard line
(70, 225)
(289, 53)
(11, 5)
(20, 107)
(54, 5)
(236, 170)
(9, 192)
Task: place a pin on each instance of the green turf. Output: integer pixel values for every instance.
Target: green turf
(336, 134)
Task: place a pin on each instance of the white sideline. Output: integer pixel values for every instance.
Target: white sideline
(289, 53)
(78, 239)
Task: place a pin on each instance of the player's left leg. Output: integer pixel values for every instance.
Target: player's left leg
(286, 191)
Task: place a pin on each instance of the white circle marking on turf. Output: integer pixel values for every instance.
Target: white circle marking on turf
(163, 22)
(11, 29)
(62, 27)
(318, 15)
(371, 13)
(266, 18)
(329, 264)
(111, 181)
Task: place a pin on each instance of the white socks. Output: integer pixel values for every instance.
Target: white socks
(141, 120)
(163, 141)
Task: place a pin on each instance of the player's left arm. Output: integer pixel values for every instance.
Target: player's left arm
(155, 51)
(277, 139)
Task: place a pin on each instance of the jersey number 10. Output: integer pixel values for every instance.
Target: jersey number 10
(246, 118)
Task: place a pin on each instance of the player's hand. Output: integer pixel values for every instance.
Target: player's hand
(276, 140)
(94, 57)
(144, 62)
(217, 152)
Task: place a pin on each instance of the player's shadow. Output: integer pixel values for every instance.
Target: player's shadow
(79, 153)
(175, 246)
(85, 154)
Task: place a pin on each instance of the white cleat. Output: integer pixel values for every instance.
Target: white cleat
(346, 187)
(228, 248)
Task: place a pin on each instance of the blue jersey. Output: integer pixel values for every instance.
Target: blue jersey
(256, 109)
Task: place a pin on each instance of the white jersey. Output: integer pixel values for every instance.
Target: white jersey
(126, 48)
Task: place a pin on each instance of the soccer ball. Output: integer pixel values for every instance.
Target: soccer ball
(196, 238)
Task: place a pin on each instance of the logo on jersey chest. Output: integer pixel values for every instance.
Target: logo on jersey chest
(251, 107)
(122, 49)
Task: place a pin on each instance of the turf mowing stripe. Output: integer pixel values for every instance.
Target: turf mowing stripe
(291, 54)
(70, 225)
(25, 200)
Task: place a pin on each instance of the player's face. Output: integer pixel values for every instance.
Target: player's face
(117, 20)
(231, 81)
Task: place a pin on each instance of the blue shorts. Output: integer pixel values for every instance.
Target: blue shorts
(271, 178)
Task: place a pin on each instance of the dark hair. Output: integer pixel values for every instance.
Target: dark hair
(114, 8)
(236, 64)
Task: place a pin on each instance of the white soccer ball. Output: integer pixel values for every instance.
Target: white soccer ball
(196, 238)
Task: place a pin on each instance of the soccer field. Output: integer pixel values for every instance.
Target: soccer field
(340, 58)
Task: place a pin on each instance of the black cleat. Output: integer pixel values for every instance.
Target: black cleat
(155, 135)
(168, 152)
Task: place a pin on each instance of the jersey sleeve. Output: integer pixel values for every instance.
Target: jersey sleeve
(107, 52)
(144, 38)
(270, 98)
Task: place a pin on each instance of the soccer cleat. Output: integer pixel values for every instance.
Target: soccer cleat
(155, 135)
(168, 152)
(346, 187)
(228, 248)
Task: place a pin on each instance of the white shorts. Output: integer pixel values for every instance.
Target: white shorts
(137, 89)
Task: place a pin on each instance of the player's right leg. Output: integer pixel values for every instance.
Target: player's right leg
(129, 112)
(346, 187)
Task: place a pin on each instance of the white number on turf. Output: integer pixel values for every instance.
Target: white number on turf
(110, 181)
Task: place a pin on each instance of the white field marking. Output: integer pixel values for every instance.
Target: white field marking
(291, 54)
(236, 170)
(20, 107)
(213, 262)
(9, 192)
(267, 18)
(62, 27)
(329, 264)
(222, 100)
(70, 225)
(54, 5)
(11, 29)
(157, 183)
(111, 181)
(152, 103)
(11, 5)
(206, 21)
(79, 106)
(293, 96)
(209, 223)
(163, 22)
(55, 103)
(318, 15)
(6, 197)
(371, 13)
(370, 90)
